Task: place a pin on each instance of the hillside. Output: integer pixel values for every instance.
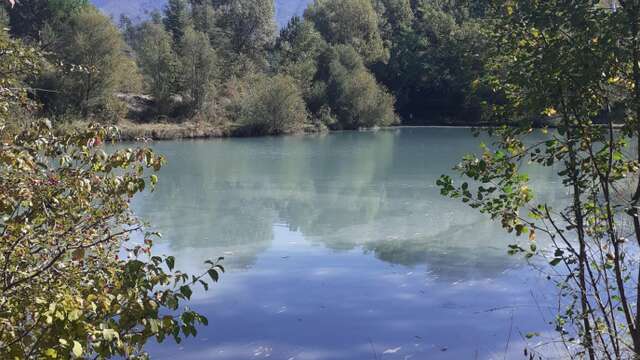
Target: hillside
(285, 9)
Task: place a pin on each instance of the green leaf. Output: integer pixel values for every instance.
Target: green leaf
(214, 275)
(171, 261)
(186, 291)
(617, 156)
(555, 261)
(204, 285)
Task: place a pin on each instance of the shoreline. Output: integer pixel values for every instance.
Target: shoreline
(130, 131)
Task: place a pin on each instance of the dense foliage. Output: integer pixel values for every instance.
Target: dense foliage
(353, 23)
(94, 66)
(69, 289)
(73, 284)
(435, 59)
(592, 94)
(353, 93)
(417, 60)
(65, 216)
(272, 106)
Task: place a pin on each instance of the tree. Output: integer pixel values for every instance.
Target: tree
(354, 94)
(595, 234)
(18, 64)
(176, 19)
(28, 18)
(394, 15)
(297, 50)
(272, 106)
(249, 26)
(65, 292)
(433, 65)
(198, 66)
(204, 18)
(158, 62)
(130, 31)
(97, 65)
(353, 23)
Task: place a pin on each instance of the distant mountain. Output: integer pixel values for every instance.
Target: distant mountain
(285, 9)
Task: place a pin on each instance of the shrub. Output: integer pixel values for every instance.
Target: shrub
(64, 290)
(355, 96)
(271, 106)
(96, 66)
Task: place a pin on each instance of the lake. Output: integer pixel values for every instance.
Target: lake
(341, 247)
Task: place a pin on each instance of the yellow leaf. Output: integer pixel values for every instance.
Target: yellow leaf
(77, 349)
(74, 315)
(51, 353)
(509, 10)
(535, 32)
(613, 80)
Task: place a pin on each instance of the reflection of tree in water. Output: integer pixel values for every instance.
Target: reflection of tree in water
(473, 251)
(201, 216)
(346, 190)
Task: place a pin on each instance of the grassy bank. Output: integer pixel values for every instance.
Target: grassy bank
(132, 131)
(169, 131)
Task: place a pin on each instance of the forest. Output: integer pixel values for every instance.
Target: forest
(342, 65)
(339, 246)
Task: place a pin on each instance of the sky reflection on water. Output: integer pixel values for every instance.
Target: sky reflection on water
(341, 247)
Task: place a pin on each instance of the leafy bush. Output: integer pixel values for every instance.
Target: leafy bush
(19, 63)
(95, 66)
(64, 291)
(354, 94)
(271, 106)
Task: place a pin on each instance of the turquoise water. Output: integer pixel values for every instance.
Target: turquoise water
(341, 247)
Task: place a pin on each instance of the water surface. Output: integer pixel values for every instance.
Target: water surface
(341, 247)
